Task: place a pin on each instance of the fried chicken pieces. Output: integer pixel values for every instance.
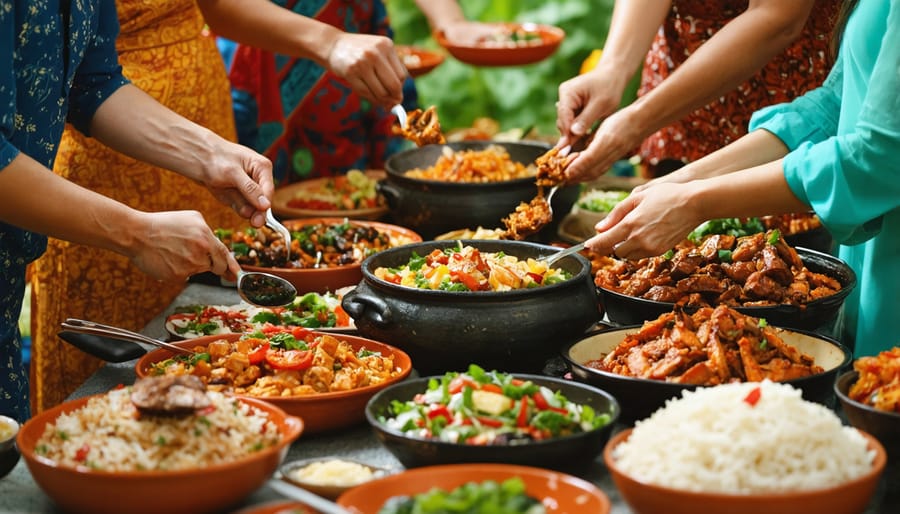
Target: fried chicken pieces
(423, 127)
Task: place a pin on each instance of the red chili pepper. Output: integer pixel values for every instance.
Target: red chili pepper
(540, 402)
(466, 279)
(490, 422)
(458, 383)
(492, 388)
(753, 396)
(522, 418)
(440, 410)
(538, 278)
(82, 453)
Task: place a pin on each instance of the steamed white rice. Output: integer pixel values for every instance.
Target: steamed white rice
(711, 440)
(108, 434)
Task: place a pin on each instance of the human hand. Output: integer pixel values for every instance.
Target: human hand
(467, 33)
(614, 138)
(174, 245)
(370, 65)
(242, 179)
(582, 101)
(648, 223)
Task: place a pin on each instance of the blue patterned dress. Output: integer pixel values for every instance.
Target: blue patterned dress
(58, 64)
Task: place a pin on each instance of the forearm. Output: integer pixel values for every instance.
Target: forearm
(36, 199)
(133, 123)
(756, 191)
(632, 29)
(731, 56)
(441, 12)
(264, 24)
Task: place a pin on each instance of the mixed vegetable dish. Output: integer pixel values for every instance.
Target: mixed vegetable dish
(507, 497)
(352, 191)
(490, 408)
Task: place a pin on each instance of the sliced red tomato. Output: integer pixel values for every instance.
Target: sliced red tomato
(258, 354)
(342, 318)
(289, 359)
(466, 280)
(540, 402)
(440, 410)
(301, 333)
(490, 422)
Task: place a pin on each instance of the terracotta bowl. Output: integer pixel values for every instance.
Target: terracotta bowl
(418, 61)
(320, 412)
(883, 425)
(322, 280)
(644, 498)
(639, 397)
(283, 196)
(9, 455)
(573, 453)
(190, 491)
(559, 492)
(277, 507)
(512, 55)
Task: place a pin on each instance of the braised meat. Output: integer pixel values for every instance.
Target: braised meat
(710, 347)
(551, 168)
(528, 218)
(423, 127)
(170, 395)
(756, 270)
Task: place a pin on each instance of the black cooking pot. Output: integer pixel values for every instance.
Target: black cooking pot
(819, 315)
(512, 331)
(432, 207)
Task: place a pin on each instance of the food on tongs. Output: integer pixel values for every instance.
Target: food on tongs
(528, 218)
(423, 127)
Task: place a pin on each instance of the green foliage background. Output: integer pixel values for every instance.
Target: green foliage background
(519, 96)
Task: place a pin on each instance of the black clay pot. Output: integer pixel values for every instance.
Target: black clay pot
(883, 425)
(433, 207)
(640, 397)
(819, 315)
(573, 453)
(511, 331)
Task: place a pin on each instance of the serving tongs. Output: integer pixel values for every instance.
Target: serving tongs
(105, 349)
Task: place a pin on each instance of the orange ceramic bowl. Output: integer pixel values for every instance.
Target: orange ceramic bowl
(320, 412)
(418, 61)
(546, 40)
(322, 280)
(849, 498)
(189, 491)
(281, 201)
(559, 492)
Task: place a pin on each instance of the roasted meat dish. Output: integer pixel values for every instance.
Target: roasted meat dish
(878, 384)
(423, 127)
(755, 270)
(710, 347)
(551, 168)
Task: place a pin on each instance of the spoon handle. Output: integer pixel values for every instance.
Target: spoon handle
(550, 259)
(98, 329)
(275, 225)
(302, 495)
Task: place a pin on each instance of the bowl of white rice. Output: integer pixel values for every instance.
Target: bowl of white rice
(99, 454)
(744, 448)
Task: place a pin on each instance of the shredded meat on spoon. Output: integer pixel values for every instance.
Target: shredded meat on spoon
(528, 218)
(423, 127)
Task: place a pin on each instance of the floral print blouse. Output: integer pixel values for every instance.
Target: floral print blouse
(63, 66)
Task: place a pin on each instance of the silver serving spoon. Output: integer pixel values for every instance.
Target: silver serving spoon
(550, 259)
(81, 326)
(400, 113)
(311, 499)
(275, 225)
(265, 289)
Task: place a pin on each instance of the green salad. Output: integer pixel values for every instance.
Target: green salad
(490, 408)
(507, 497)
(601, 201)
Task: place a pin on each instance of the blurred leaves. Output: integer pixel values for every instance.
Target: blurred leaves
(516, 96)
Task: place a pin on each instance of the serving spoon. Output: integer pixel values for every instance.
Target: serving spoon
(311, 499)
(81, 326)
(265, 289)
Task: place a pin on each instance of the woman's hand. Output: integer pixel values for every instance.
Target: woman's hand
(616, 136)
(583, 100)
(370, 65)
(177, 244)
(648, 223)
(242, 179)
(467, 33)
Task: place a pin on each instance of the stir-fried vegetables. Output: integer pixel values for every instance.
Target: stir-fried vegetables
(485, 408)
(465, 268)
(507, 497)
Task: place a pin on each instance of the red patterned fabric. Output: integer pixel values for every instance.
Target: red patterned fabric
(690, 23)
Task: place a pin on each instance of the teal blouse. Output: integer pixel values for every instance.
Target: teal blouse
(59, 63)
(844, 139)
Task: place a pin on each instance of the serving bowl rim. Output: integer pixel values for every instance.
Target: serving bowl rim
(285, 467)
(370, 278)
(615, 413)
(878, 465)
(848, 377)
(293, 428)
(566, 349)
(142, 366)
(784, 308)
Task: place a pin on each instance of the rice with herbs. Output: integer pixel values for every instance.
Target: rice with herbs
(731, 439)
(108, 433)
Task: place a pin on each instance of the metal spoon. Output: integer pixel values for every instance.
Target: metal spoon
(400, 113)
(265, 289)
(550, 259)
(275, 225)
(98, 329)
(302, 495)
